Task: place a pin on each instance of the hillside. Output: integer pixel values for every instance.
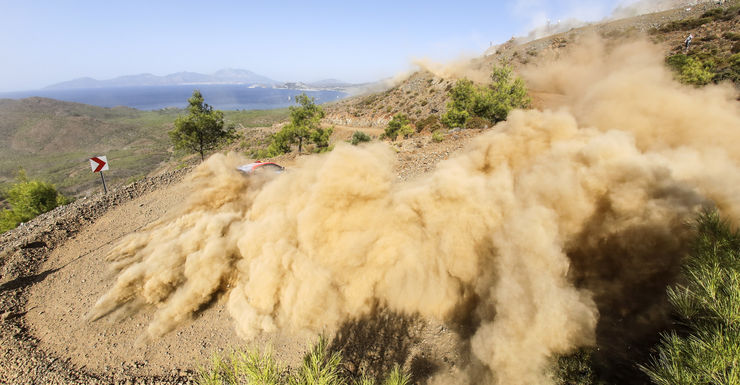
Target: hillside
(424, 93)
(52, 140)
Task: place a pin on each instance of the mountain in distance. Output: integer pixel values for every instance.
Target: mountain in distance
(224, 76)
(330, 83)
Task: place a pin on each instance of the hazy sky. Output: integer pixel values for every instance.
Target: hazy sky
(45, 42)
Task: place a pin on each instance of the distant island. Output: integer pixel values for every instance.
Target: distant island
(224, 76)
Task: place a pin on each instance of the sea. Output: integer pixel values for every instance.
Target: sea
(220, 96)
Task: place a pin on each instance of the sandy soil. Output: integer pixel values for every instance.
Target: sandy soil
(58, 305)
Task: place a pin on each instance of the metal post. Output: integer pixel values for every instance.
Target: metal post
(105, 189)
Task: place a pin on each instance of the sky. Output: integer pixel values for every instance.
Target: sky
(46, 42)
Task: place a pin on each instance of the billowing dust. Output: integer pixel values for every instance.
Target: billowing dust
(627, 160)
(454, 69)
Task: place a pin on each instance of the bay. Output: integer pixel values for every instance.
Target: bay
(220, 96)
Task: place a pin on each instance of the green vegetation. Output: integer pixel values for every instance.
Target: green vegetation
(399, 125)
(256, 118)
(691, 70)
(202, 129)
(716, 14)
(319, 367)
(684, 25)
(359, 137)
(575, 369)
(438, 136)
(733, 36)
(27, 199)
(431, 123)
(304, 126)
(320, 137)
(460, 107)
(492, 103)
(706, 347)
(280, 143)
(304, 120)
(478, 123)
(705, 66)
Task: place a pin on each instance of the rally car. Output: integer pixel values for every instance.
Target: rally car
(260, 167)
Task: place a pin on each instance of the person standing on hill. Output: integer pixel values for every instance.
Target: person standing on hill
(687, 42)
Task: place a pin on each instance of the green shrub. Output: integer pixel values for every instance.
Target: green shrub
(359, 137)
(27, 199)
(732, 71)
(477, 123)
(733, 11)
(706, 348)
(729, 13)
(714, 12)
(462, 99)
(279, 144)
(397, 377)
(320, 137)
(686, 24)
(203, 129)
(319, 367)
(505, 93)
(691, 70)
(575, 369)
(735, 61)
(430, 123)
(733, 36)
(438, 136)
(695, 72)
(492, 103)
(399, 125)
(239, 367)
(304, 126)
(455, 117)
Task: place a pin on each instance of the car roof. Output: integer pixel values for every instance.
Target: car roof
(249, 167)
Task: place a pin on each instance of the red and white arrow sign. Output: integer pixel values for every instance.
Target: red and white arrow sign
(99, 163)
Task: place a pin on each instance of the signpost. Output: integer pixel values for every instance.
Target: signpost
(100, 164)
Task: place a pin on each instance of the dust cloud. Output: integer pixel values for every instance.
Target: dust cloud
(545, 223)
(454, 69)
